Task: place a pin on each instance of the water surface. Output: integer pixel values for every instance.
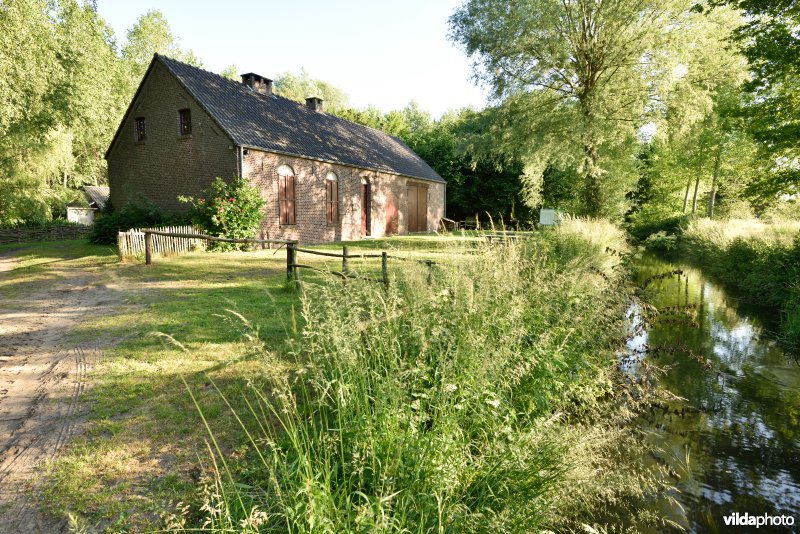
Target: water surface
(735, 441)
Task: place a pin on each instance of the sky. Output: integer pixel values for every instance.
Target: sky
(383, 53)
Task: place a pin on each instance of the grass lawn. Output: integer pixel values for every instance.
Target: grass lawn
(182, 318)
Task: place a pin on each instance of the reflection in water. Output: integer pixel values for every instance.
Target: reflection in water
(742, 431)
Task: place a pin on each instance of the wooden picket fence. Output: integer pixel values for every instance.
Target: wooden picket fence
(131, 244)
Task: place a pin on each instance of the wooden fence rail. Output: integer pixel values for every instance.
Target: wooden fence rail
(292, 248)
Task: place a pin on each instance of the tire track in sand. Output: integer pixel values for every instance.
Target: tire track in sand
(42, 381)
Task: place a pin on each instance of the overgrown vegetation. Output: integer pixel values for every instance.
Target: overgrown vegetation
(760, 260)
(489, 400)
(227, 209)
(139, 213)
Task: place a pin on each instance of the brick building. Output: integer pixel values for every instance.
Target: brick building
(323, 178)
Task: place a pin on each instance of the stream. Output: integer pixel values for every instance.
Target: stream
(736, 445)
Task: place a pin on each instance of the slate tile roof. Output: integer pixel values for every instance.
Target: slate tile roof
(97, 194)
(276, 124)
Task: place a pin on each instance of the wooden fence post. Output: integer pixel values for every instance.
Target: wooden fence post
(345, 266)
(385, 269)
(297, 282)
(430, 271)
(148, 246)
(291, 255)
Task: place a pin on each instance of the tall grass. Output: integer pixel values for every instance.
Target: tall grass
(489, 400)
(761, 260)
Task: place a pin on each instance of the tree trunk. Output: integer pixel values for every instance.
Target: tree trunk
(686, 196)
(694, 197)
(713, 196)
(591, 180)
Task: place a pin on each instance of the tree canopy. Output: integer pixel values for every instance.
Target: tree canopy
(300, 86)
(575, 81)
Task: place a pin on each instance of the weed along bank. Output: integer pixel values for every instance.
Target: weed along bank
(323, 178)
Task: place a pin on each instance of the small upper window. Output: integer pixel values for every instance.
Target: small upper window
(185, 119)
(140, 129)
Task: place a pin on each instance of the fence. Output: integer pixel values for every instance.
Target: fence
(132, 244)
(44, 233)
(292, 248)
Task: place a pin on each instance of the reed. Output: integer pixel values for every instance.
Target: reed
(487, 400)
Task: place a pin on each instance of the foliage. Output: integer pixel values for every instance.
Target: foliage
(228, 209)
(231, 72)
(300, 86)
(139, 213)
(577, 79)
(760, 260)
(63, 89)
(644, 223)
(152, 35)
(451, 407)
(570, 97)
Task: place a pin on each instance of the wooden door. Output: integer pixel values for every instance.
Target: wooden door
(366, 209)
(413, 223)
(417, 208)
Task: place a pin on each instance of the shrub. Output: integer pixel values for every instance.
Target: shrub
(140, 213)
(661, 242)
(233, 210)
(642, 224)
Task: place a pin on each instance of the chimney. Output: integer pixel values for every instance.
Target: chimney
(314, 103)
(257, 83)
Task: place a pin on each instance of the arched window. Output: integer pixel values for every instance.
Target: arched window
(331, 198)
(286, 195)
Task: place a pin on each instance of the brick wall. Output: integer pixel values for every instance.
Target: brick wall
(166, 165)
(389, 203)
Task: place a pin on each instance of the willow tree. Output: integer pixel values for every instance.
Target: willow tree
(573, 75)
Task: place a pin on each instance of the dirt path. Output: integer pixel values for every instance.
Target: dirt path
(42, 379)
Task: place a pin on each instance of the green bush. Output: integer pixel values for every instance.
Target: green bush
(140, 213)
(642, 224)
(233, 210)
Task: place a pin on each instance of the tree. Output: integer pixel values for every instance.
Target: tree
(771, 43)
(576, 79)
(577, 68)
(150, 35)
(91, 96)
(298, 87)
(231, 72)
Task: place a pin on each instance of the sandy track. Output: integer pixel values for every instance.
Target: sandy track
(42, 379)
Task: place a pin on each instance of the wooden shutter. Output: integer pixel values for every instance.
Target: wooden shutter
(331, 201)
(286, 199)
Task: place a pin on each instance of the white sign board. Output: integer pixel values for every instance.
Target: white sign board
(549, 217)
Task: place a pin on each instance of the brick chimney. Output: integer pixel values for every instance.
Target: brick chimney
(314, 103)
(257, 83)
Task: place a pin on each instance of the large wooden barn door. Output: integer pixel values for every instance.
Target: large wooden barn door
(417, 208)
